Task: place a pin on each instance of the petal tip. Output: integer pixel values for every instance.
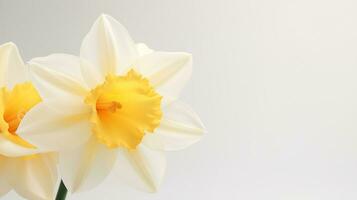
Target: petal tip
(189, 57)
(104, 17)
(204, 130)
(9, 44)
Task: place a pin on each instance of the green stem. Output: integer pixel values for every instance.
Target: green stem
(62, 192)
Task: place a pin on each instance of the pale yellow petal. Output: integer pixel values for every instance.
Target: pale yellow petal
(86, 166)
(12, 68)
(4, 185)
(8, 148)
(34, 177)
(51, 129)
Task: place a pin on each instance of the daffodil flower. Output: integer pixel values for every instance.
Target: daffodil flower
(115, 103)
(23, 167)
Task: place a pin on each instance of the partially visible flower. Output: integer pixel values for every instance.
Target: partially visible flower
(118, 100)
(23, 167)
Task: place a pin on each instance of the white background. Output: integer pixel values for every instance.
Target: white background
(274, 82)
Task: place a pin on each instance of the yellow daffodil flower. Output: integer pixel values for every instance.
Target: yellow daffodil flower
(115, 103)
(31, 173)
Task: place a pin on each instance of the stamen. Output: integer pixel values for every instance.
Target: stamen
(14, 120)
(108, 106)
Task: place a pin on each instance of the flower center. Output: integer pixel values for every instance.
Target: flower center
(13, 106)
(124, 109)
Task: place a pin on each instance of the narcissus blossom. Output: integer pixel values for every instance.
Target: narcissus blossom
(23, 167)
(117, 101)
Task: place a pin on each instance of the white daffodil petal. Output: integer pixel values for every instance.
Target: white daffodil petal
(58, 75)
(63, 63)
(143, 168)
(10, 149)
(4, 185)
(55, 130)
(12, 68)
(34, 177)
(168, 72)
(108, 47)
(87, 166)
(69, 107)
(179, 128)
(143, 49)
(59, 81)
